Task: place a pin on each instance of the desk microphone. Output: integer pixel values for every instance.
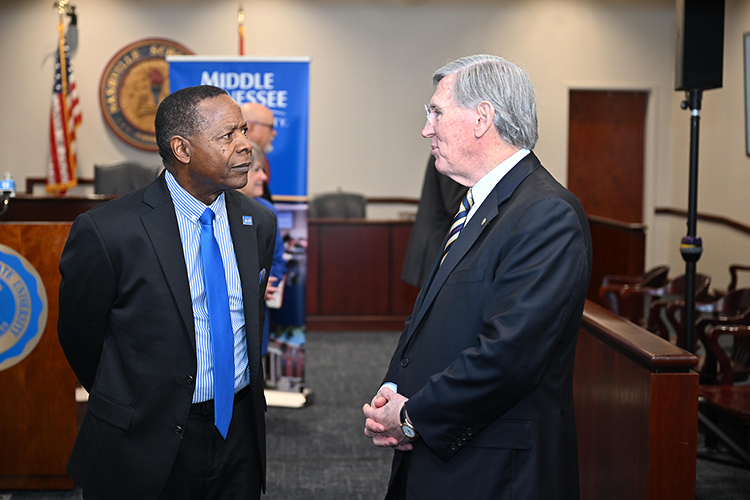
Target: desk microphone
(7, 191)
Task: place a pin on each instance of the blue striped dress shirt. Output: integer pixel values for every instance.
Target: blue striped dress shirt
(188, 211)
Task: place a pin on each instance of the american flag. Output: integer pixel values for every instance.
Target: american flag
(65, 118)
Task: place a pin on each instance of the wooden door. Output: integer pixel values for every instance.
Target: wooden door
(605, 171)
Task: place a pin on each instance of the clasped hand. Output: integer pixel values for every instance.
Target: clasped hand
(383, 422)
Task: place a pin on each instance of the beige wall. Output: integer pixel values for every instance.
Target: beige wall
(724, 168)
(370, 75)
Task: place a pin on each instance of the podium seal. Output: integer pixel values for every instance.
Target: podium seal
(23, 308)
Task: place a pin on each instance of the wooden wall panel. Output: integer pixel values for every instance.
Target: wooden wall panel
(24, 208)
(618, 248)
(355, 269)
(354, 275)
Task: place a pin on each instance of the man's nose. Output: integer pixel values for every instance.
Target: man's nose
(428, 130)
(245, 144)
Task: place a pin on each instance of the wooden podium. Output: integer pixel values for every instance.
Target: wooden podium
(38, 410)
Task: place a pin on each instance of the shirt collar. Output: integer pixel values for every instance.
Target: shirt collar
(486, 184)
(188, 205)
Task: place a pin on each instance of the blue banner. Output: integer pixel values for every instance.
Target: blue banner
(281, 84)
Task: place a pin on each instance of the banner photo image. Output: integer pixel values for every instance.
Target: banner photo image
(282, 85)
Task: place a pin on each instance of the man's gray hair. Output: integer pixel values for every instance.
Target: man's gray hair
(498, 81)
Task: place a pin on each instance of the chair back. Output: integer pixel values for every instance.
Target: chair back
(655, 277)
(123, 177)
(338, 206)
(729, 308)
(639, 303)
(729, 363)
(677, 286)
(612, 285)
(733, 270)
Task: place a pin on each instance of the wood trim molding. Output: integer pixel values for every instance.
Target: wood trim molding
(716, 219)
(639, 344)
(616, 224)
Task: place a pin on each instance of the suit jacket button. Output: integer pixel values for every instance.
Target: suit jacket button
(190, 379)
(404, 362)
(178, 429)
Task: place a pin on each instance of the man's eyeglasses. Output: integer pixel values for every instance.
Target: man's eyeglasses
(269, 125)
(433, 112)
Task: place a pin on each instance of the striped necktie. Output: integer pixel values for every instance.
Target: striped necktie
(458, 222)
(222, 337)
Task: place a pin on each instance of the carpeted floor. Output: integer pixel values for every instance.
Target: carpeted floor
(319, 452)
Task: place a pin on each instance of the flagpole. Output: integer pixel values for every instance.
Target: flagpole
(241, 29)
(61, 8)
(64, 117)
(61, 43)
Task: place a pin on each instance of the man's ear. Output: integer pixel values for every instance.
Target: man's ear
(485, 119)
(180, 148)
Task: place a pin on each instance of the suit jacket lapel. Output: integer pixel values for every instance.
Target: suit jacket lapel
(161, 225)
(245, 242)
(481, 220)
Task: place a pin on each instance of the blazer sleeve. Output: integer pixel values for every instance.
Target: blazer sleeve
(530, 299)
(87, 290)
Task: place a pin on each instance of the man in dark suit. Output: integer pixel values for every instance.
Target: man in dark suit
(478, 398)
(137, 328)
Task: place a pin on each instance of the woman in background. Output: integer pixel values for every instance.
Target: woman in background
(256, 184)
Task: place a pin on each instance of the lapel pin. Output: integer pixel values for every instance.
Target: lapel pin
(247, 220)
(484, 220)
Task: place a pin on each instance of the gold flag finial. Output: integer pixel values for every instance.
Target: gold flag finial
(62, 7)
(241, 29)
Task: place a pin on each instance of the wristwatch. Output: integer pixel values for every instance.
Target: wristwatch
(406, 427)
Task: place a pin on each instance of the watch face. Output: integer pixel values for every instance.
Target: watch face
(408, 431)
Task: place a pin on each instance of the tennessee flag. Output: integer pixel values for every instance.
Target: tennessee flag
(65, 118)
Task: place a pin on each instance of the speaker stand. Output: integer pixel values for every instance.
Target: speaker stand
(691, 245)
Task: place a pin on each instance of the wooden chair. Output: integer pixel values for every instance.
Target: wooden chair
(718, 364)
(666, 318)
(612, 285)
(637, 300)
(727, 405)
(733, 270)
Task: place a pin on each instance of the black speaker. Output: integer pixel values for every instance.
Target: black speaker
(700, 44)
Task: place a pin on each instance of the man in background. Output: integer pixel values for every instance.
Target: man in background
(261, 125)
(261, 130)
(478, 398)
(161, 314)
(438, 202)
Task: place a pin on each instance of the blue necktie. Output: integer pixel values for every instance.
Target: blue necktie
(222, 336)
(458, 222)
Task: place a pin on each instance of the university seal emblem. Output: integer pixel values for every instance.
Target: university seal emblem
(133, 84)
(23, 308)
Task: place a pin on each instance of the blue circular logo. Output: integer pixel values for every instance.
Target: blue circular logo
(23, 308)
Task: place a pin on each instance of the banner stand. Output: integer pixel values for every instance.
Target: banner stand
(281, 84)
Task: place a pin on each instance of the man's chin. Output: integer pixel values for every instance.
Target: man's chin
(440, 165)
